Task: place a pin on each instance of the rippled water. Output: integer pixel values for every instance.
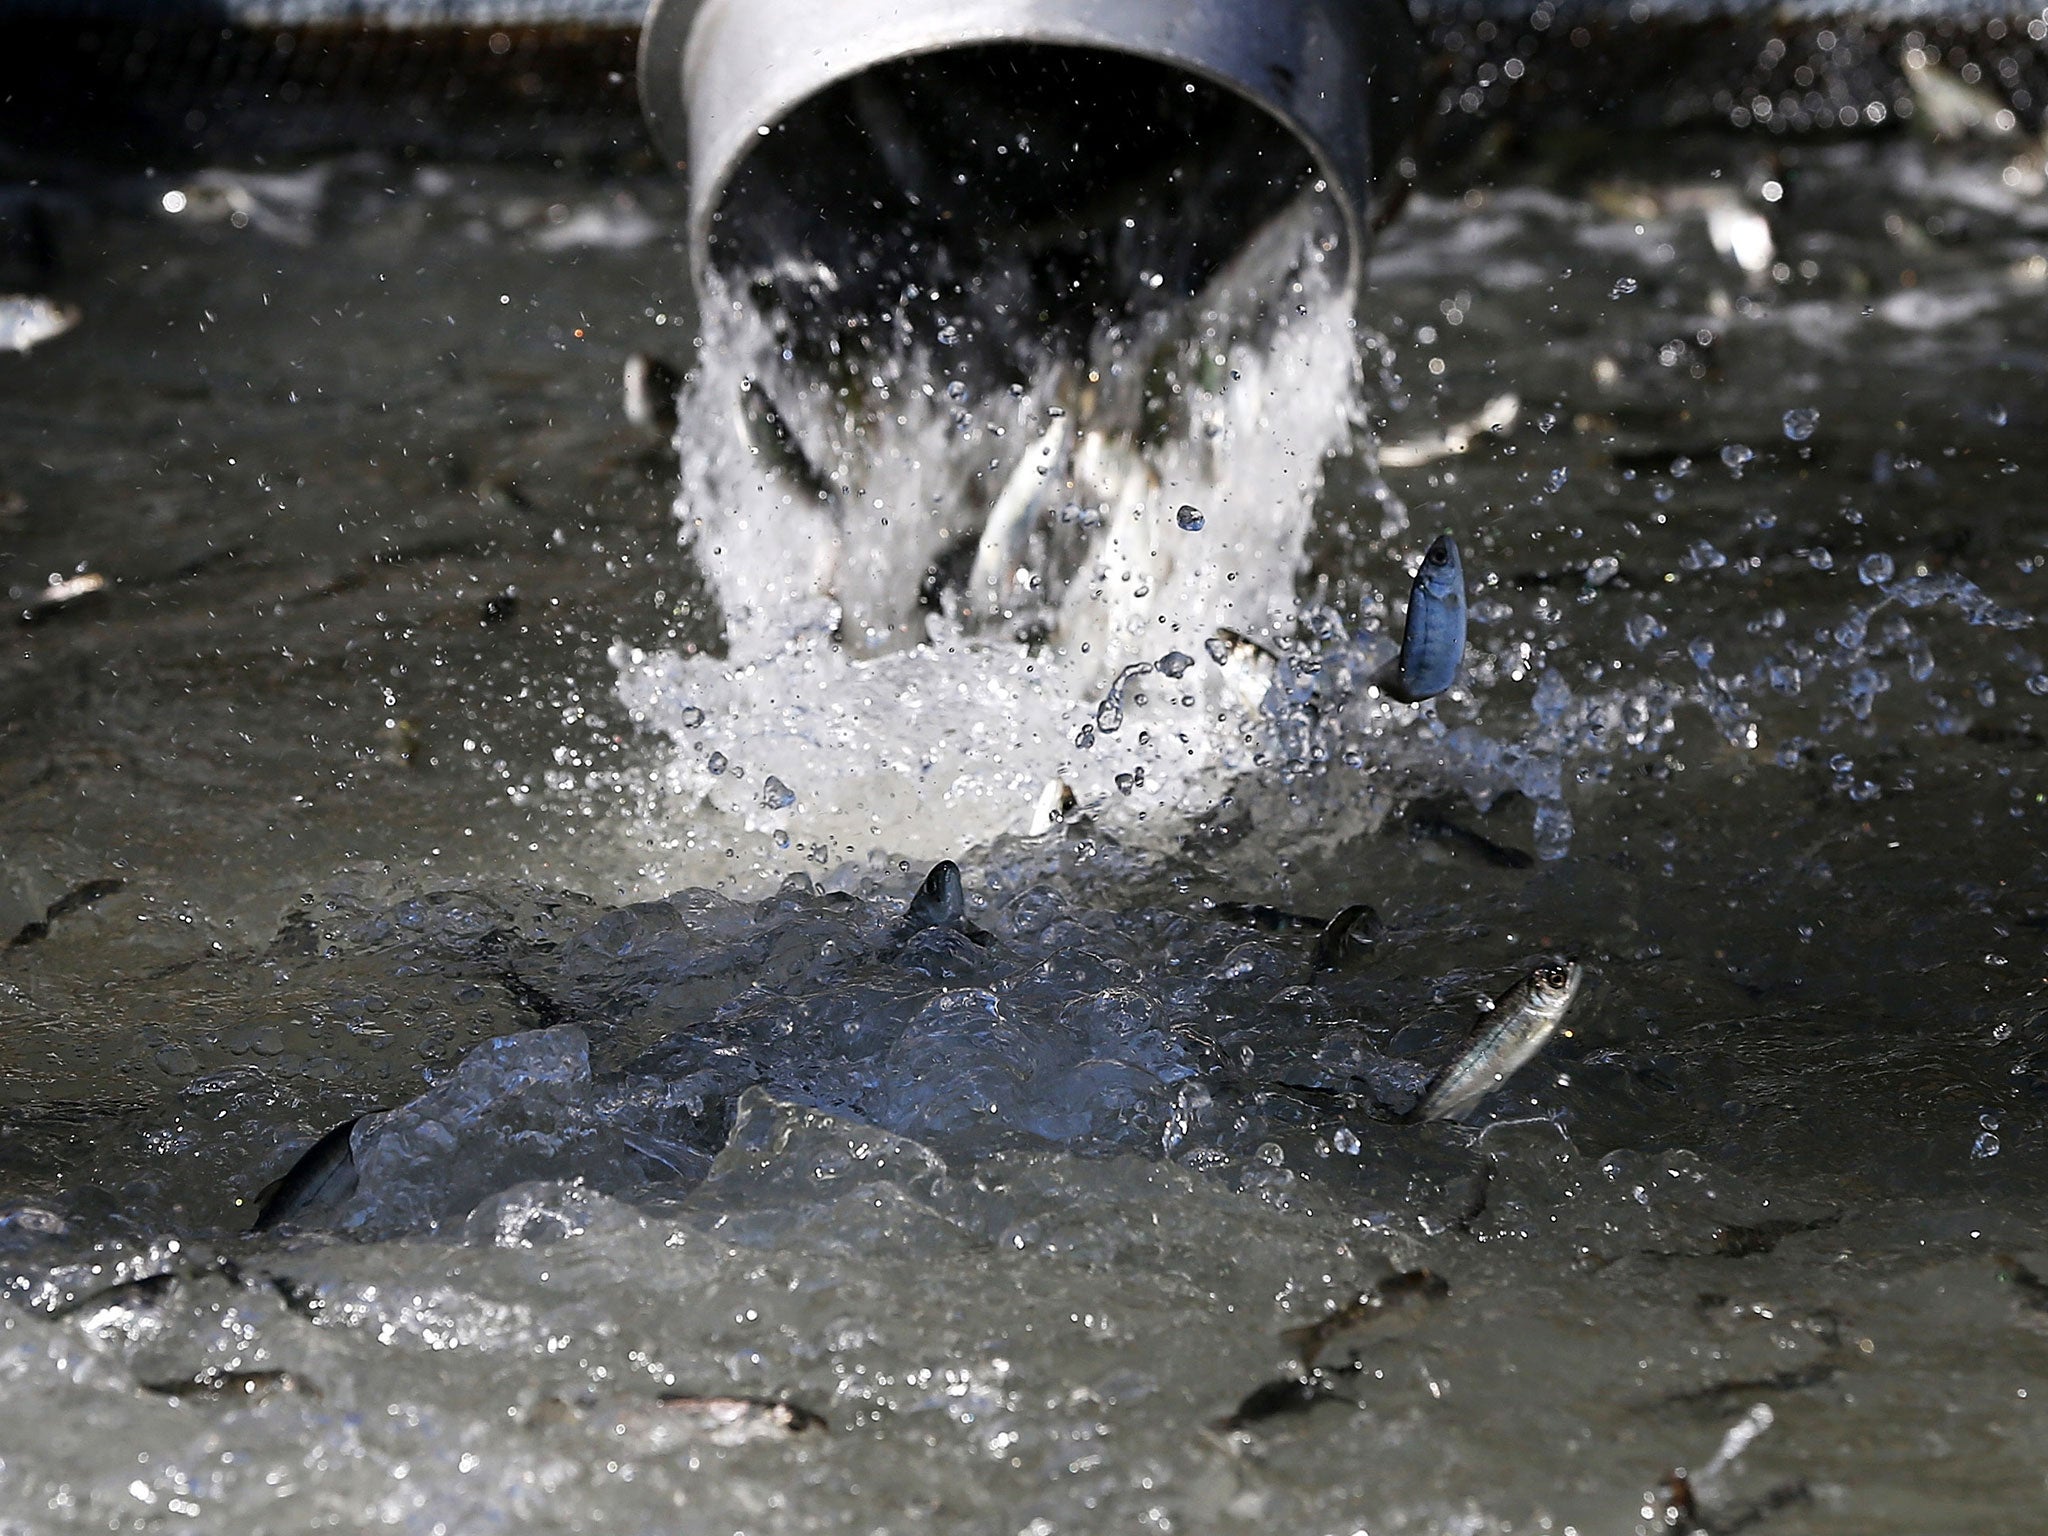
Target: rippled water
(334, 800)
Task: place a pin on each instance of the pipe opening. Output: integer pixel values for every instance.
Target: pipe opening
(1004, 201)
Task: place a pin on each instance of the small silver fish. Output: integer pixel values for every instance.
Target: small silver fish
(212, 1382)
(767, 435)
(1497, 415)
(322, 1178)
(649, 389)
(732, 1420)
(28, 320)
(1249, 669)
(1433, 637)
(941, 902)
(1056, 805)
(1521, 1022)
(1358, 924)
(1002, 560)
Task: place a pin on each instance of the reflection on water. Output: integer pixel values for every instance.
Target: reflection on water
(324, 802)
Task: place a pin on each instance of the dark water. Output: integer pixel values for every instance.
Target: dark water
(333, 783)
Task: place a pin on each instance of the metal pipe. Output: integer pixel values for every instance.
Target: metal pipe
(718, 77)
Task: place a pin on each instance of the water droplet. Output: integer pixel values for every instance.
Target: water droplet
(1109, 714)
(1874, 570)
(715, 762)
(692, 716)
(1702, 652)
(1085, 737)
(1175, 663)
(1735, 455)
(1986, 1145)
(1347, 1142)
(1703, 557)
(1189, 519)
(1554, 481)
(1801, 422)
(777, 795)
(1642, 629)
(1623, 288)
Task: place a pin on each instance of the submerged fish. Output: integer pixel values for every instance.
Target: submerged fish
(213, 1382)
(322, 1178)
(1406, 1292)
(1522, 1021)
(1267, 919)
(735, 1420)
(1433, 638)
(1273, 1399)
(28, 320)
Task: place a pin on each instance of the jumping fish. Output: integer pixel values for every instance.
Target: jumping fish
(1056, 806)
(1433, 637)
(1356, 924)
(649, 388)
(1002, 559)
(1522, 1021)
(941, 902)
(1250, 670)
(322, 1178)
(767, 436)
(1497, 415)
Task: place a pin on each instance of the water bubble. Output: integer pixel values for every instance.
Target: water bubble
(715, 762)
(1346, 1141)
(1109, 714)
(777, 795)
(1554, 481)
(1642, 629)
(1703, 557)
(1986, 1145)
(1735, 455)
(1190, 519)
(2037, 685)
(691, 716)
(1175, 663)
(1801, 422)
(1702, 652)
(1874, 570)
(1623, 288)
